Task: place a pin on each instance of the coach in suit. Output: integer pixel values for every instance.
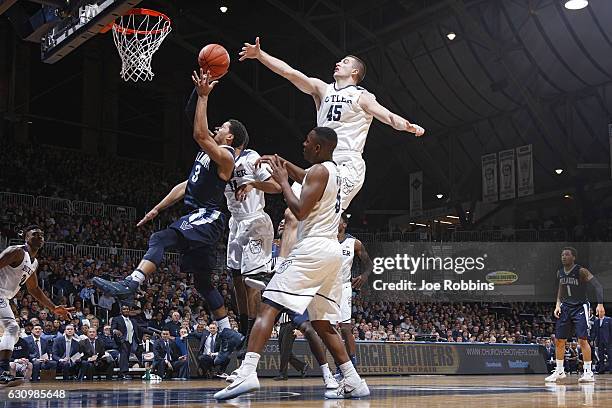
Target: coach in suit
(167, 359)
(93, 358)
(64, 347)
(38, 347)
(126, 333)
(602, 335)
(210, 345)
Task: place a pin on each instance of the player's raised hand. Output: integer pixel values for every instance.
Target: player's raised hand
(557, 311)
(148, 217)
(63, 312)
(202, 82)
(250, 51)
(267, 159)
(279, 169)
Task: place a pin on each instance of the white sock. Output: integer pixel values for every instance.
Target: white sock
(560, 368)
(224, 324)
(326, 371)
(350, 374)
(587, 366)
(138, 276)
(249, 364)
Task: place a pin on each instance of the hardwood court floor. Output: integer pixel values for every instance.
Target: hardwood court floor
(417, 391)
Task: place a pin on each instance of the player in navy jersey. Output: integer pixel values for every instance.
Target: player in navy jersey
(197, 233)
(572, 311)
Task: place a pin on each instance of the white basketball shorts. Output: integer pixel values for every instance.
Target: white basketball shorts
(249, 245)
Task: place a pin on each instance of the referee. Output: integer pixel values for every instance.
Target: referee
(286, 338)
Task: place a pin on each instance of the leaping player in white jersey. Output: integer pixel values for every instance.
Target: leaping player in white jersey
(309, 278)
(249, 244)
(343, 106)
(18, 265)
(351, 248)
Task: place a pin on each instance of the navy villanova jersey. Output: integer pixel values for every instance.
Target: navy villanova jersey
(573, 291)
(204, 186)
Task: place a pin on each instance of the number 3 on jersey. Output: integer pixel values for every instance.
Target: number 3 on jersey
(334, 113)
(196, 173)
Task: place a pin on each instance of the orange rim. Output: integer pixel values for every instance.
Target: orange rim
(143, 11)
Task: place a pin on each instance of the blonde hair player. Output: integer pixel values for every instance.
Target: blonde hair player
(343, 106)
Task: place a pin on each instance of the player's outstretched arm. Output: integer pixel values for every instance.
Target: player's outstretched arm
(366, 265)
(312, 189)
(267, 186)
(12, 256)
(39, 295)
(177, 193)
(201, 133)
(308, 85)
(370, 105)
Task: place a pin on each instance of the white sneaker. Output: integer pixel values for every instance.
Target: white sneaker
(555, 376)
(330, 382)
(241, 385)
(343, 392)
(230, 378)
(587, 377)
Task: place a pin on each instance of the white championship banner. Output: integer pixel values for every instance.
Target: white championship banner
(489, 178)
(524, 159)
(507, 184)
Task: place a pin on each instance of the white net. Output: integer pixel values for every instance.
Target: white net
(137, 36)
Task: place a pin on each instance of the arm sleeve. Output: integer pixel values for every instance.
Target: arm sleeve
(598, 289)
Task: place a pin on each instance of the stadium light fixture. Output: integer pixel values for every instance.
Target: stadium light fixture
(440, 195)
(452, 216)
(558, 171)
(223, 9)
(446, 222)
(576, 4)
(568, 196)
(421, 225)
(451, 36)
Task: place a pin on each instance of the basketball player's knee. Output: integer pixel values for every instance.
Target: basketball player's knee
(158, 242)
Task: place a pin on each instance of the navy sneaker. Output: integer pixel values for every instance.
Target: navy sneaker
(259, 280)
(231, 341)
(123, 290)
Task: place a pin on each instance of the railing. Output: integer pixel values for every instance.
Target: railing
(64, 206)
(96, 252)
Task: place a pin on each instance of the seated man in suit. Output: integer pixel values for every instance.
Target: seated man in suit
(144, 351)
(167, 360)
(110, 344)
(64, 347)
(126, 333)
(210, 345)
(94, 357)
(40, 352)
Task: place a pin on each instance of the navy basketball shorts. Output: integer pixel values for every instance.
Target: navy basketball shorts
(200, 232)
(573, 316)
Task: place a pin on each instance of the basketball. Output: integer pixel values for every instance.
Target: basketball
(214, 58)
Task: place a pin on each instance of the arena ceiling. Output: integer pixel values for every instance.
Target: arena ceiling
(518, 72)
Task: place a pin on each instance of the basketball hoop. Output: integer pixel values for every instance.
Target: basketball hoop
(137, 35)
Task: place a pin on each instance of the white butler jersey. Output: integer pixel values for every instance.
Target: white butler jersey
(324, 218)
(11, 278)
(340, 111)
(348, 254)
(245, 171)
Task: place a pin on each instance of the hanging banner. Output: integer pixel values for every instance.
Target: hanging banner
(524, 159)
(507, 187)
(489, 178)
(416, 193)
